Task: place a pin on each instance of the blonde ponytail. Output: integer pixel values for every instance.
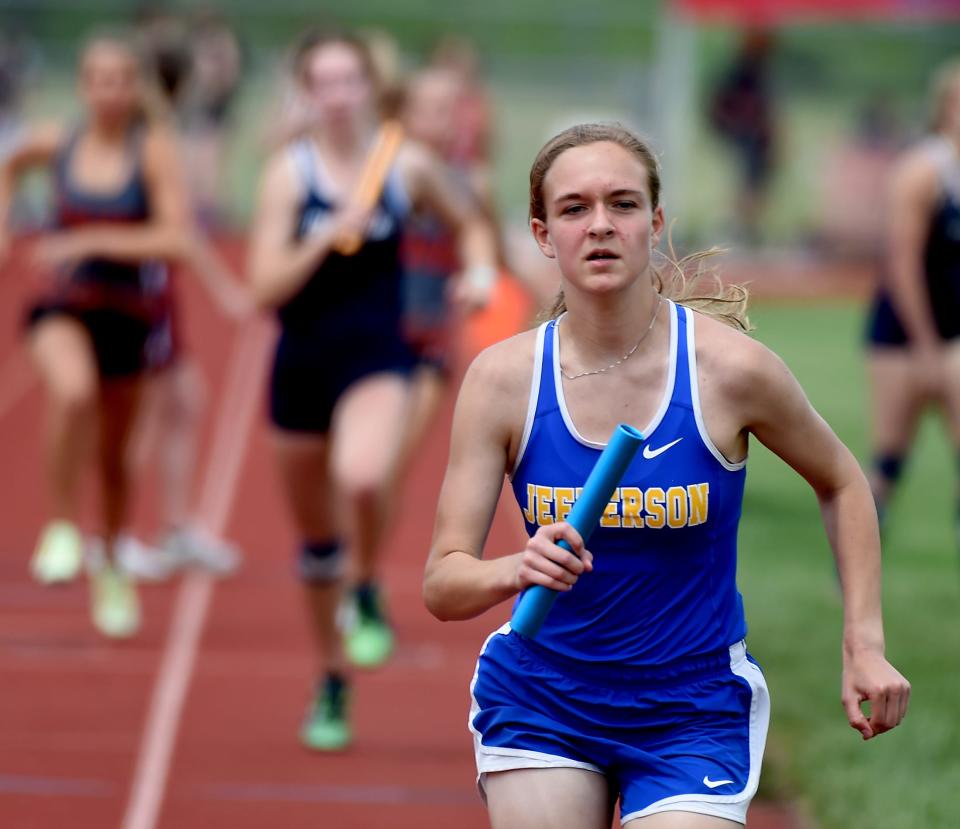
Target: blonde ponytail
(694, 280)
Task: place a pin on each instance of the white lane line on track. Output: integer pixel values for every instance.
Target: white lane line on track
(235, 419)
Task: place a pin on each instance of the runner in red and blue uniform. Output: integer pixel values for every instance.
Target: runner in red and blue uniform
(120, 211)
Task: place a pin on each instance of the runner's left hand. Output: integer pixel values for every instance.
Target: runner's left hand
(468, 298)
(868, 677)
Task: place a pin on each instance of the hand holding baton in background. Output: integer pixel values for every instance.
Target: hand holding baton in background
(372, 178)
(536, 601)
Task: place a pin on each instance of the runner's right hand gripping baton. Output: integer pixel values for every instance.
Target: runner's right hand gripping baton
(536, 601)
(372, 179)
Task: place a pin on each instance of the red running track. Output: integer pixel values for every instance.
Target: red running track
(194, 723)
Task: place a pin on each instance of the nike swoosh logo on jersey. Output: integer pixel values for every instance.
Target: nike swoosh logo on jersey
(650, 454)
(712, 784)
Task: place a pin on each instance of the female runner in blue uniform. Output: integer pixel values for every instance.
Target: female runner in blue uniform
(639, 686)
(339, 388)
(119, 209)
(913, 335)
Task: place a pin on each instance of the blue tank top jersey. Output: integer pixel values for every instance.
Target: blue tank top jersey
(130, 204)
(663, 585)
(347, 296)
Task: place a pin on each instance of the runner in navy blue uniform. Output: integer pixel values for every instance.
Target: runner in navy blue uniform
(913, 335)
(119, 209)
(639, 686)
(339, 391)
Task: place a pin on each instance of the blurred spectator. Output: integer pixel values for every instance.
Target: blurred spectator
(741, 110)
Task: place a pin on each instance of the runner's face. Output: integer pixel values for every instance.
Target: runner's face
(430, 114)
(600, 226)
(338, 86)
(109, 82)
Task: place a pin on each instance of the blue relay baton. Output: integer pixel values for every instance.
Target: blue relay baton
(536, 601)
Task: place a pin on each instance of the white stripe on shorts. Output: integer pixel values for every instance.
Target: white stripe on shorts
(491, 758)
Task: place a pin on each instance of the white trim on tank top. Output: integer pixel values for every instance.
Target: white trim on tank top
(730, 466)
(664, 402)
(946, 159)
(312, 176)
(534, 397)
(302, 168)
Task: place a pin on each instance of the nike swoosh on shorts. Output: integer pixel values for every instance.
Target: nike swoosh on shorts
(712, 784)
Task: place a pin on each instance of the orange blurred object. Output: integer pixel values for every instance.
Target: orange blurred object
(508, 313)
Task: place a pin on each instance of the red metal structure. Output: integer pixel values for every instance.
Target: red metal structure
(772, 12)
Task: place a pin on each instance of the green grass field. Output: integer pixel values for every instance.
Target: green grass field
(911, 776)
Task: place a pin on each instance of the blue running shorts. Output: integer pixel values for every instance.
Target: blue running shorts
(683, 736)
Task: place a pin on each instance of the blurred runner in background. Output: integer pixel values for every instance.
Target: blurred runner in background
(471, 143)
(217, 66)
(340, 389)
(120, 209)
(913, 332)
(431, 302)
(174, 407)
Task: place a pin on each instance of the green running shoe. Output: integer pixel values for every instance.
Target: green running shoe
(59, 554)
(114, 604)
(327, 726)
(369, 639)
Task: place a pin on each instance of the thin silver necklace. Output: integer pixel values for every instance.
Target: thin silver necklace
(625, 357)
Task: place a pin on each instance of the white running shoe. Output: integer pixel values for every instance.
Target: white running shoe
(193, 546)
(142, 562)
(58, 557)
(114, 604)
